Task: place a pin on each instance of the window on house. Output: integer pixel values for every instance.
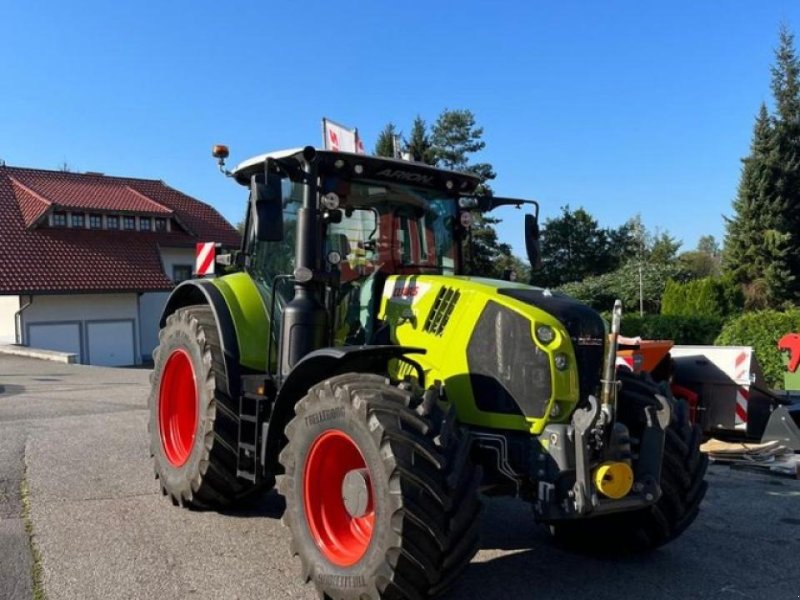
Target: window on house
(112, 222)
(181, 273)
(161, 224)
(145, 223)
(59, 219)
(96, 221)
(78, 220)
(129, 223)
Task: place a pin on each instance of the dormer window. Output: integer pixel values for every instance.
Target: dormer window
(113, 222)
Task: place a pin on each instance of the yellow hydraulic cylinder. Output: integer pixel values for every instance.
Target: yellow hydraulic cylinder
(614, 479)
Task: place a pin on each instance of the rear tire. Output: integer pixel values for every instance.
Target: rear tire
(682, 482)
(193, 422)
(417, 527)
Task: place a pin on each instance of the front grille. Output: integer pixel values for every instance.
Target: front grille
(584, 326)
(509, 373)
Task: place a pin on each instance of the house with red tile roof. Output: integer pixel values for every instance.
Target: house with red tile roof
(87, 260)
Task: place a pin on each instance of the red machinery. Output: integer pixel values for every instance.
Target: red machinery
(723, 386)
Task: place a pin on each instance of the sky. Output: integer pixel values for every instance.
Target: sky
(621, 108)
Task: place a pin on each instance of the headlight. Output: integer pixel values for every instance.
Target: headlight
(545, 334)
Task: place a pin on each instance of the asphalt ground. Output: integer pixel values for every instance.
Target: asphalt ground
(75, 468)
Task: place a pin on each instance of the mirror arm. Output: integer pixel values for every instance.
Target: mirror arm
(488, 203)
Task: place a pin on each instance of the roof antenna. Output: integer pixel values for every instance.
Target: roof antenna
(221, 152)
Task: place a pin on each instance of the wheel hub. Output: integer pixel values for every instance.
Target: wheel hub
(177, 407)
(338, 498)
(355, 491)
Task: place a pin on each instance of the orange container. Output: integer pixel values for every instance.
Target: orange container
(645, 355)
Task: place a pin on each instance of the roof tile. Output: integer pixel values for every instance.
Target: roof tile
(37, 259)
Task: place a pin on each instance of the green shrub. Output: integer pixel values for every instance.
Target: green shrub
(762, 330)
(697, 330)
(715, 296)
(600, 291)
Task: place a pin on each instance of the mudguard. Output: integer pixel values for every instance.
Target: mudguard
(200, 291)
(323, 364)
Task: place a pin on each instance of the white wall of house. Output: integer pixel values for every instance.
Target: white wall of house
(150, 307)
(176, 256)
(101, 328)
(9, 305)
(152, 304)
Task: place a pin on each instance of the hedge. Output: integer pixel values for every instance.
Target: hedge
(715, 296)
(762, 330)
(697, 330)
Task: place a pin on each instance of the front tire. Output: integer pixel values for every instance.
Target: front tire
(193, 422)
(682, 481)
(381, 495)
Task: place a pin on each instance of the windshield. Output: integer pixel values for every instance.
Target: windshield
(394, 229)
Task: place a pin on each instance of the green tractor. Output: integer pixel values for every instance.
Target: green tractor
(345, 353)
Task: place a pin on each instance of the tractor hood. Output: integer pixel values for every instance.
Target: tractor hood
(481, 337)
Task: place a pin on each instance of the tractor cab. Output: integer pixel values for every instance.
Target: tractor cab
(332, 226)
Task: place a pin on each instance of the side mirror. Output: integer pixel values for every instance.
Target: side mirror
(266, 207)
(532, 242)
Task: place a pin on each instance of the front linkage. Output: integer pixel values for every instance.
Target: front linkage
(597, 449)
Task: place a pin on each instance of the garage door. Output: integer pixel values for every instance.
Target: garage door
(110, 343)
(64, 337)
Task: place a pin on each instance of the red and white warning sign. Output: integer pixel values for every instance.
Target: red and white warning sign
(205, 253)
(742, 378)
(340, 138)
(723, 375)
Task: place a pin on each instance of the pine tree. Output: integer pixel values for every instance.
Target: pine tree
(454, 139)
(757, 247)
(762, 245)
(419, 144)
(386, 141)
(783, 239)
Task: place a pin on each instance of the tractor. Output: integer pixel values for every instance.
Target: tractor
(345, 354)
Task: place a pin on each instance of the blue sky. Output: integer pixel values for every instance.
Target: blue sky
(619, 107)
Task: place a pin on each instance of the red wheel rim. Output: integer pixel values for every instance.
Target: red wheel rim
(342, 538)
(177, 407)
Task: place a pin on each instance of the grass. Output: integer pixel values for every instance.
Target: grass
(36, 557)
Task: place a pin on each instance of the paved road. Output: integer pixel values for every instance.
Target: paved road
(77, 436)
